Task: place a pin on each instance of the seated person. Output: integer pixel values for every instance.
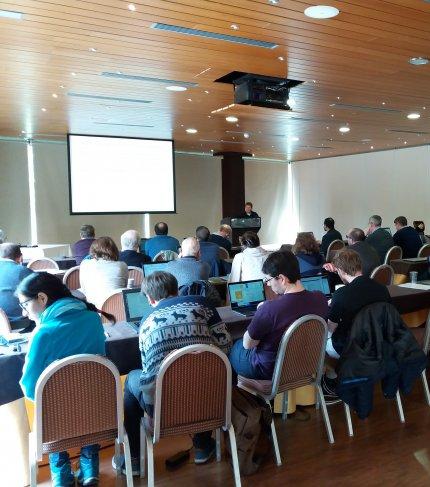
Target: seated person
(65, 326)
(348, 300)
(81, 248)
(222, 237)
(330, 236)
(249, 213)
(130, 242)
(420, 227)
(254, 356)
(378, 238)
(103, 273)
(12, 272)
(407, 238)
(188, 267)
(368, 255)
(307, 252)
(247, 265)
(161, 241)
(209, 251)
(157, 338)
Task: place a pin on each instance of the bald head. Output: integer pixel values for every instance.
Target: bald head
(130, 240)
(190, 247)
(10, 251)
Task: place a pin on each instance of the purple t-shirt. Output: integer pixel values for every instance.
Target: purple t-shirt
(274, 317)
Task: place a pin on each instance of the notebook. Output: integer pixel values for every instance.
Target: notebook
(153, 267)
(136, 307)
(317, 283)
(245, 296)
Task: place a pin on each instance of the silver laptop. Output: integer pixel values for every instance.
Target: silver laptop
(317, 283)
(136, 307)
(245, 296)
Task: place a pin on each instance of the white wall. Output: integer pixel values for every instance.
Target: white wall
(351, 188)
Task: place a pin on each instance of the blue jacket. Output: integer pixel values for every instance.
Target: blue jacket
(11, 274)
(66, 328)
(161, 242)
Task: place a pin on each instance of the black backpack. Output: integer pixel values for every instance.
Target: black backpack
(202, 288)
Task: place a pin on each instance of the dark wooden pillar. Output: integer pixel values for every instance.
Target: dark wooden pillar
(233, 182)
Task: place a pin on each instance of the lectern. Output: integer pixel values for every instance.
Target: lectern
(241, 225)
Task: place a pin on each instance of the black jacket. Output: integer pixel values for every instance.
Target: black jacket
(380, 348)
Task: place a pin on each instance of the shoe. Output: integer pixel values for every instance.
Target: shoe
(88, 473)
(119, 462)
(205, 454)
(328, 387)
(61, 470)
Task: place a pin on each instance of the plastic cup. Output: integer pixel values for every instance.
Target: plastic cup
(413, 275)
(130, 283)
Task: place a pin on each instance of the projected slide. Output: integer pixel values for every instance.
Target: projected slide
(120, 175)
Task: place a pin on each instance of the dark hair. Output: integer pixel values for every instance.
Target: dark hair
(329, 223)
(249, 240)
(161, 228)
(160, 285)
(419, 226)
(286, 248)
(348, 261)
(43, 282)
(401, 220)
(306, 244)
(248, 203)
(357, 235)
(203, 233)
(87, 231)
(285, 263)
(104, 248)
(10, 251)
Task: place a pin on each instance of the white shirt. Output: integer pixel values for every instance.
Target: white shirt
(247, 265)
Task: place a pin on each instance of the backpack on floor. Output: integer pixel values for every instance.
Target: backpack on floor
(251, 418)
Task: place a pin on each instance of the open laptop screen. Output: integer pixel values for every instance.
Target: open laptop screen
(155, 266)
(316, 283)
(246, 293)
(136, 305)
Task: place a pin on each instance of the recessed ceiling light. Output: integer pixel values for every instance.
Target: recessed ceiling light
(8, 14)
(43, 109)
(234, 27)
(231, 119)
(191, 131)
(62, 87)
(418, 61)
(189, 99)
(176, 88)
(23, 131)
(246, 135)
(371, 146)
(73, 73)
(274, 2)
(405, 142)
(319, 153)
(131, 7)
(413, 116)
(207, 92)
(321, 12)
(280, 58)
(293, 138)
(54, 95)
(92, 49)
(383, 102)
(343, 130)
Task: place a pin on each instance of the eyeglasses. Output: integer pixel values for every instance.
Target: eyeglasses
(23, 305)
(347, 236)
(266, 280)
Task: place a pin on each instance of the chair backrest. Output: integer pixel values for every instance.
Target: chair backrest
(71, 278)
(135, 273)
(114, 304)
(78, 402)
(193, 392)
(223, 253)
(333, 248)
(41, 264)
(300, 357)
(393, 253)
(426, 341)
(424, 251)
(4, 323)
(165, 256)
(384, 274)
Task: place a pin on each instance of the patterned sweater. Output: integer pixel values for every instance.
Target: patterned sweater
(176, 323)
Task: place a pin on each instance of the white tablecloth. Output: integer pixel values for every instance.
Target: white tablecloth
(51, 250)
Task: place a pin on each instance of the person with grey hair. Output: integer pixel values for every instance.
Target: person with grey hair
(81, 248)
(188, 268)
(378, 238)
(130, 246)
(222, 237)
(11, 274)
(368, 255)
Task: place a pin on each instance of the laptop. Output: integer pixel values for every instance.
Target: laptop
(245, 296)
(153, 267)
(136, 307)
(317, 283)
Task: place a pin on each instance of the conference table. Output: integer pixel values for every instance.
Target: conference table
(405, 266)
(122, 348)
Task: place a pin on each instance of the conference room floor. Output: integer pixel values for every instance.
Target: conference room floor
(382, 452)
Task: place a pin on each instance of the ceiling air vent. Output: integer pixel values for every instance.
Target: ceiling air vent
(124, 124)
(110, 98)
(134, 77)
(214, 35)
(364, 108)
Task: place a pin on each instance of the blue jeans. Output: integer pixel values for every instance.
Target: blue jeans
(61, 468)
(241, 361)
(134, 407)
